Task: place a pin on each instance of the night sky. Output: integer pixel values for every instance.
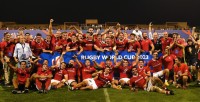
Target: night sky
(123, 11)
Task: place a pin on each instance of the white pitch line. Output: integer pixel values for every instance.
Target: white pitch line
(106, 95)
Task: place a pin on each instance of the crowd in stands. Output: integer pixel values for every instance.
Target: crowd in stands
(178, 64)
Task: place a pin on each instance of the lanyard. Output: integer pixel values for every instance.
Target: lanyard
(23, 47)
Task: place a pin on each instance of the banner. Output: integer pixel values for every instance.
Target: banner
(94, 55)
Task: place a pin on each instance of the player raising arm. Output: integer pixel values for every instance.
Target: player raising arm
(23, 75)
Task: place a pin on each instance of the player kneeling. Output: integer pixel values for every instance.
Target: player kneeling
(101, 80)
(181, 74)
(22, 79)
(43, 79)
(148, 84)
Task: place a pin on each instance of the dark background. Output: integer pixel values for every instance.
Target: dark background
(123, 11)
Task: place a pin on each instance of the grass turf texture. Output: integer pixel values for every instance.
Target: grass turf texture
(62, 95)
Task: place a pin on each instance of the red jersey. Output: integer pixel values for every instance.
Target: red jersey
(181, 69)
(37, 47)
(133, 46)
(121, 45)
(138, 80)
(103, 64)
(108, 47)
(176, 50)
(143, 70)
(145, 43)
(87, 72)
(156, 65)
(39, 66)
(73, 45)
(44, 73)
(123, 71)
(87, 45)
(103, 79)
(22, 75)
(198, 55)
(54, 42)
(63, 43)
(7, 48)
(98, 43)
(165, 42)
(47, 45)
(71, 33)
(60, 74)
(168, 61)
(71, 73)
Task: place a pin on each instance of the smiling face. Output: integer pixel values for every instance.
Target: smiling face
(22, 39)
(23, 65)
(108, 62)
(155, 55)
(71, 62)
(175, 36)
(87, 62)
(141, 63)
(107, 70)
(64, 35)
(44, 67)
(178, 61)
(80, 37)
(45, 62)
(57, 34)
(73, 38)
(165, 35)
(90, 30)
(144, 35)
(121, 36)
(63, 65)
(125, 63)
(38, 38)
(155, 35)
(107, 40)
(132, 36)
(134, 71)
(99, 37)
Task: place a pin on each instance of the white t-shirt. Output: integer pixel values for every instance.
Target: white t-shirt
(22, 49)
(137, 33)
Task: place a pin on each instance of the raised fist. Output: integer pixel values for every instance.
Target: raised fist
(150, 24)
(51, 20)
(126, 28)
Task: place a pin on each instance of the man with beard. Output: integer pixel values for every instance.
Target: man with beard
(146, 43)
(23, 75)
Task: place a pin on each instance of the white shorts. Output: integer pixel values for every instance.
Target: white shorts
(70, 81)
(158, 74)
(54, 81)
(125, 79)
(87, 79)
(92, 83)
(149, 85)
